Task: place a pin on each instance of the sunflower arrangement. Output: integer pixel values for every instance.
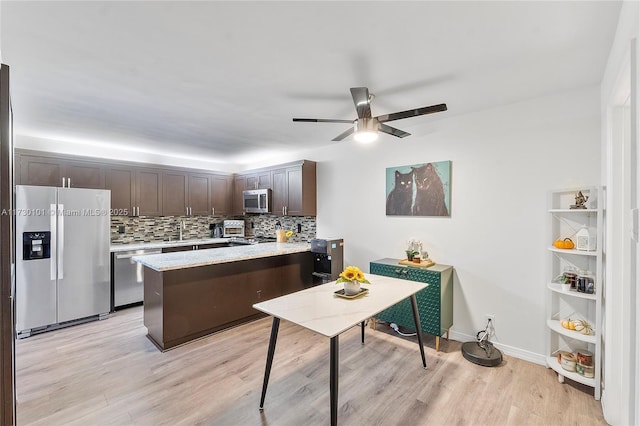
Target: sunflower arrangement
(350, 274)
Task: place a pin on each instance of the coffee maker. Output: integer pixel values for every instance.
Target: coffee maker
(328, 260)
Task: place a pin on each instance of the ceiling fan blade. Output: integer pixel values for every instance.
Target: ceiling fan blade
(392, 131)
(321, 120)
(344, 134)
(412, 113)
(360, 97)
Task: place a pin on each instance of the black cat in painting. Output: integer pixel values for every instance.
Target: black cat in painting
(429, 193)
(401, 196)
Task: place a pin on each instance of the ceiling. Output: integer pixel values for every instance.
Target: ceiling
(223, 80)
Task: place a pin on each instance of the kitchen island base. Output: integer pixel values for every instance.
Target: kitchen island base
(183, 305)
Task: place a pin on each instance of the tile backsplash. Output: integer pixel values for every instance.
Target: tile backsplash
(164, 228)
(303, 227)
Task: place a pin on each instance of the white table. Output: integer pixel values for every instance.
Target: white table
(319, 310)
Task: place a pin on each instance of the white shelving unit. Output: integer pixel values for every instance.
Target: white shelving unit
(565, 223)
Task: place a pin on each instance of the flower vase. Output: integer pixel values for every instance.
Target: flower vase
(351, 288)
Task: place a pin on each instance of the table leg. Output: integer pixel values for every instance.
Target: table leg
(333, 380)
(437, 343)
(272, 348)
(416, 319)
(362, 332)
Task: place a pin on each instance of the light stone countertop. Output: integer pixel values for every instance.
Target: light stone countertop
(320, 310)
(160, 244)
(193, 258)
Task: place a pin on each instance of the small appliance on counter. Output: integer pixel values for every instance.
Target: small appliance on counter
(233, 228)
(216, 230)
(328, 260)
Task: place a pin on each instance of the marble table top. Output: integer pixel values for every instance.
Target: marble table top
(320, 310)
(194, 258)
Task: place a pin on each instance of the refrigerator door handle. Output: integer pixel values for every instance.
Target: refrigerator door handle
(54, 238)
(61, 248)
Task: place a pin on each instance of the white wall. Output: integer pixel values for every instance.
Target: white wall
(504, 161)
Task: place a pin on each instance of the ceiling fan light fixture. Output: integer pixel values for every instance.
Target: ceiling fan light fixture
(365, 130)
(366, 136)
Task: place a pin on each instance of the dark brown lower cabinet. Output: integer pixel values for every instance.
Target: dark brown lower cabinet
(186, 304)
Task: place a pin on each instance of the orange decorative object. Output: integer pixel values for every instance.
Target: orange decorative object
(567, 243)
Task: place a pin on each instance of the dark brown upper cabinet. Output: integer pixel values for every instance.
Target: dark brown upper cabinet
(175, 193)
(199, 200)
(121, 182)
(149, 194)
(51, 171)
(294, 189)
(239, 185)
(134, 191)
(259, 180)
(221, 194)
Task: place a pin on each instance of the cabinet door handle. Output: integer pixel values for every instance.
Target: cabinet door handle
(63, 182)
(397, 271)
(405, 272)
(213, 211)
(68, 182)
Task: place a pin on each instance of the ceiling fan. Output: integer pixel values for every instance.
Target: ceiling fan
(365, 128)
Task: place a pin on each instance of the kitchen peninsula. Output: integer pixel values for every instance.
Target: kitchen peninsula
(190, 294)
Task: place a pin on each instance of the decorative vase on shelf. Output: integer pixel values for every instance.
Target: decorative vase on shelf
(351, 287)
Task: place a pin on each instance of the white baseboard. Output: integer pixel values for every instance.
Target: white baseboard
(506, 349)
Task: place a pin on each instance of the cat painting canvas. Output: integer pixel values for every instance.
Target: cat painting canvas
(400, 199)
(419, 189)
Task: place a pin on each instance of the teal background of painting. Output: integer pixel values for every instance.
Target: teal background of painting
(443, 168)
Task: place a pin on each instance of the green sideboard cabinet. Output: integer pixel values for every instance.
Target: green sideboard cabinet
(435, 303)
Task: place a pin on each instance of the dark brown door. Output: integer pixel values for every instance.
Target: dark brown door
(120, 181)
(294, 191)
(239, 185)
(199, 194)
(84, 175)
(279, 192)
(149, 192)
(174, 194)
(7, 256)
(260, 180)
(40, 171)
(221, 194)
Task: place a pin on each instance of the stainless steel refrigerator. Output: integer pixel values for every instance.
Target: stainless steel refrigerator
(62, 257)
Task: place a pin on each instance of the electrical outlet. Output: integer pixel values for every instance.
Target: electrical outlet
(488, 317)
(490, 323)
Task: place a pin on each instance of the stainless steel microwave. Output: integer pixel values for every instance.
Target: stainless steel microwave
(256, 201)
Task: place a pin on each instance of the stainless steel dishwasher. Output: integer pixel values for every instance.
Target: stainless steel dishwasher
(128, 277)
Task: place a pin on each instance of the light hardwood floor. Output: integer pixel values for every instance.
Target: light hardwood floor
(109, 373)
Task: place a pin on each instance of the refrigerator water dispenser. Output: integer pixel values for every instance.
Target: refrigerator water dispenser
(36, 245)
